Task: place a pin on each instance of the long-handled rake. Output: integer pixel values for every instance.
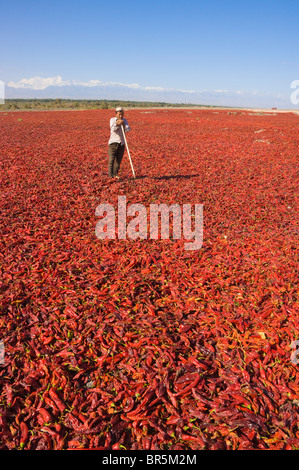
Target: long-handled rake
(122, 127)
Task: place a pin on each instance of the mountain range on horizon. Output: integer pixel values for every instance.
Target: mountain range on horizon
(55, 88)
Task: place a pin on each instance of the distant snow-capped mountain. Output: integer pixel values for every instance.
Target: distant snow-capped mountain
(55, 87)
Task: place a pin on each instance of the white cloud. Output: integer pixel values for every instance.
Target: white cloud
(99, 83)
(91, 83)
(39, 83)
(154, 88)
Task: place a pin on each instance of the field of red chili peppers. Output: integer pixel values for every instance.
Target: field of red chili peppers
(140, 344)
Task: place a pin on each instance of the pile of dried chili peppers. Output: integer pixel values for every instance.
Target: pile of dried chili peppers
(140, 344)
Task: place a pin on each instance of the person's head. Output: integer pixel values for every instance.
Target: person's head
(119, 112)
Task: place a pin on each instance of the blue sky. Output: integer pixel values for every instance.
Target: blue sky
(227, 46)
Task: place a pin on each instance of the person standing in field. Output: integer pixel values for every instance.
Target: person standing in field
(116, 144)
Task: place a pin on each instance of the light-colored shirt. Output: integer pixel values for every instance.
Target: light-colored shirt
(116, 134)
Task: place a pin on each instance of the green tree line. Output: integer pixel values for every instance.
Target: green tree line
(44, 104)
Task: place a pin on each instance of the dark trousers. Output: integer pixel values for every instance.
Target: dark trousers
(115, 154)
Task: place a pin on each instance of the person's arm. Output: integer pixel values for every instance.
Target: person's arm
(113, 125)
(126, 126)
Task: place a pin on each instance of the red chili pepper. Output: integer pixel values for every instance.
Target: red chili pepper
(140, 408)
(59, 403)
(116, 446)
(171, 396)
(58, 440)
(199, 397)
(48, 339)
(49, 402)
(184, 328)
(189, 387)
(9, 394)
(45, 416)
(24, 434)
(198, 440)
(246, 375)
(173, 419)
(73, 422)
(128, 404)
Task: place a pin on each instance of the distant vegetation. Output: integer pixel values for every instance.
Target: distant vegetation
(44, 104)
